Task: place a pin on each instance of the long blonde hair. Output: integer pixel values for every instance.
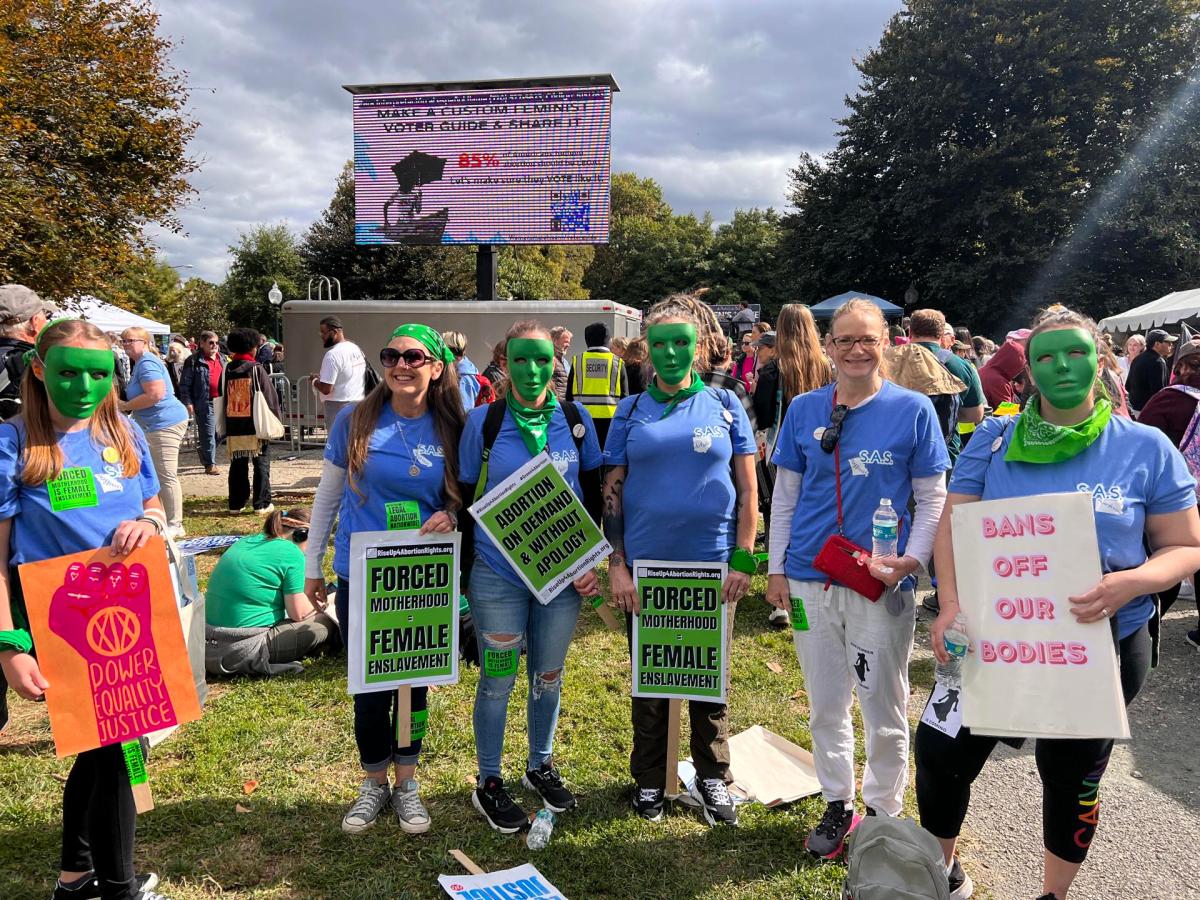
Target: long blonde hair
(445, 402)
(141, 334)
(802, 364)
(43, 459)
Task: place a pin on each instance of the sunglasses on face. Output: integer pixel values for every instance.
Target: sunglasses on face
(413, 358)
(833, 433)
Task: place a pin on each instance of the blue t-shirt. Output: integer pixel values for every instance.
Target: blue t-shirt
(679, 498)
(166, 412)
(509, 453)
(1131, 471)
(385, 477)
(38, 532)
(885, 444)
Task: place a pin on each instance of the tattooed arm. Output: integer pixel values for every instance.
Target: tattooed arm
(620, 580)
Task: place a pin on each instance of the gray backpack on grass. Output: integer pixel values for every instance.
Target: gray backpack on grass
(894, 859)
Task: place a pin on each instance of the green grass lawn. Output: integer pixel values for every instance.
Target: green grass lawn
(294, 736)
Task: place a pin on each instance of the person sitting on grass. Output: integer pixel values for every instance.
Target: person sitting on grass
(259, 620)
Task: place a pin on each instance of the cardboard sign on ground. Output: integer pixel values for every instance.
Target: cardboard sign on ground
(771, 769)
(110, 643)
(521, 881)
(1034, 669)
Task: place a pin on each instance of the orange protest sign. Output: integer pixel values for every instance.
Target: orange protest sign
(108, 640)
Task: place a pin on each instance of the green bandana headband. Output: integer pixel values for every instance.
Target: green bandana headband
(430, 338)
(33, 353)
(1037, 441)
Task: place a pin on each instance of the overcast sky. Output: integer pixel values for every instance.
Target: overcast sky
(717, 97)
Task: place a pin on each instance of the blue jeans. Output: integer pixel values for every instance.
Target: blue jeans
(206, 435)
(503, 610)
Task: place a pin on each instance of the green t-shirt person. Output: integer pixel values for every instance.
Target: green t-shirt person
(247, 587)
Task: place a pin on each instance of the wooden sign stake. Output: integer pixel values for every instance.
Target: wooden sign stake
(139, 781)
(607, 616)
(671, 788)
(404, 715)
(467, 863)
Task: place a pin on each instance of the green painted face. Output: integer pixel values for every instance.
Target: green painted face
(530, 366)
(672, 350)
(77, 379)
(1063, 364)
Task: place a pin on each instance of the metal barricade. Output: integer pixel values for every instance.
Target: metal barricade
(306, 415)
(283, 390)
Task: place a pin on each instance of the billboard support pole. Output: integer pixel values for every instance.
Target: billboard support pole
(487, 266)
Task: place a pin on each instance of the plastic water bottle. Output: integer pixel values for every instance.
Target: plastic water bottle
(885, 530)
(540, 830)
(955, 641)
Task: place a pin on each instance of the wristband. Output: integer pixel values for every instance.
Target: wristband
(153, 521)
(742, 560)
(17, 639)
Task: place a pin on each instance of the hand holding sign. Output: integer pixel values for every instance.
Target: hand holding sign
(1103, 600)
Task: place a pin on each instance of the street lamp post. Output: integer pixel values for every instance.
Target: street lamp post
(275, 298)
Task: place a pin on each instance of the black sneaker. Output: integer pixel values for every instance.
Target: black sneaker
(495, 805)
(961, 885)
(548, 784)
(930, 602)
(828, 839)
(1193, 638)
(715, 802)
(648, 802)
(88, 887)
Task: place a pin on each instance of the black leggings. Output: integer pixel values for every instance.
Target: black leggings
(1070, 770)
(98, 821)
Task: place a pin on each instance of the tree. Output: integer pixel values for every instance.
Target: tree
(148, 286)
(987, 160)
(92, 140)
(392, 272)
(744, 262)
(201, 307)
(264, 256)
(651, 251)
(551, 272)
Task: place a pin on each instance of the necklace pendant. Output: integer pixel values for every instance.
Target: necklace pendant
(413, 470)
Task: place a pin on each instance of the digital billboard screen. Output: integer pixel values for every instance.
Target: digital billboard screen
(510, 165)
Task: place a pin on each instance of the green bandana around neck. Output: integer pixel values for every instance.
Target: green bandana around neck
(530, 366)
(1037, 441)
(672, 347)
(77, 379)
(429, 338)
(1063, 364)
(533, 424)
(673, 400)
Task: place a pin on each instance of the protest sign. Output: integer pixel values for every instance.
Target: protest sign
(522, 881)
(403, 627)
(1034, 669)
(679, 647)
(110, 644)
(541, 528)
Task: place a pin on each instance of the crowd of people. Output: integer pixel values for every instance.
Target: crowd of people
(679, 447)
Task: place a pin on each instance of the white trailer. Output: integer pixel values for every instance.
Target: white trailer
(369, 323)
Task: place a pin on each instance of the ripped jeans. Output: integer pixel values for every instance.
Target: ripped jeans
(505, 617)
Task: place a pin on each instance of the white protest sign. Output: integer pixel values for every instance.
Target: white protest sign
(1034, 669)
(523, 881)
(540, 526)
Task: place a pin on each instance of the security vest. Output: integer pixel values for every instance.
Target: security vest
(596, 374)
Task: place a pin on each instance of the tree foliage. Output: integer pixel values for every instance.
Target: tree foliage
(266, 255)
(148, 286)
(391, 272)
(987, 159)
(92, 140)
(201, 307)
(744, 262)
(551, 272)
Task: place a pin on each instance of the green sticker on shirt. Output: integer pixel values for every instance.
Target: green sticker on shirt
(75, 488)
(799, 617)
(501, 663)
(403, 515)
(135, 763)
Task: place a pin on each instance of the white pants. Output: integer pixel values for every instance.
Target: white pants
(854, 644)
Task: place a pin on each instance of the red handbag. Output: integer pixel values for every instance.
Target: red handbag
(840, 558)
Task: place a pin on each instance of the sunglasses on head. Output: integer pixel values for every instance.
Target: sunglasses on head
(413, 358)
(833, 433)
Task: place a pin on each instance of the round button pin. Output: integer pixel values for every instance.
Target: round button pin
(819, 433)
(111, 455)
(579, 431)
(727, 416)
(996, 444)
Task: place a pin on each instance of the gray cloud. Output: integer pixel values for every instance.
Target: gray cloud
(718, 98)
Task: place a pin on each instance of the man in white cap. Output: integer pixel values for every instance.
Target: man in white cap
(22, 316)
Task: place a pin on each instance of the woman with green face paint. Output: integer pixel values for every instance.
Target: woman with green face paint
(680, 487)
(527, 422)
(75, 475)
(1066, 439)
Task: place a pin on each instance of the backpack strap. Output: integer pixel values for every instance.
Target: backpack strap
(492, 421)
(575, 418)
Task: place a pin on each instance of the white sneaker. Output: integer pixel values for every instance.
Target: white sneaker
(266, 510)
(410, 811)
(779, 618)
(372, 798)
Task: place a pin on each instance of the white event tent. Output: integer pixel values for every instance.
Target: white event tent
(107, 317)
(1166, 310)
